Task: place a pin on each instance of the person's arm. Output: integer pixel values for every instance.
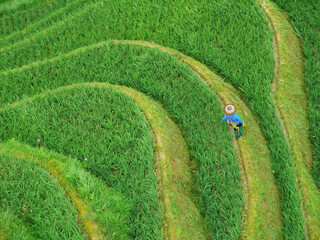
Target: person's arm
(224, 118)
(240, 121)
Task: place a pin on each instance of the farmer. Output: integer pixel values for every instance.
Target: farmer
(233, 119)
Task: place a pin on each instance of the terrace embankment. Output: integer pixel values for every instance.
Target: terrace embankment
(289, 92)
(102, 211)
(42, 23)
(77, 126)
(305, 19)
(90, 229)
(182, 218)
(168, 81)
(263, 212)
(27, 193)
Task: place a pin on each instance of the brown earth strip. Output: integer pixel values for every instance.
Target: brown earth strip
(263, 219)
(54, 167)
(182, 218)
(291, 99)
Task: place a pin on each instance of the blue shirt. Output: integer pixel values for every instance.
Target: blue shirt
(235, 118)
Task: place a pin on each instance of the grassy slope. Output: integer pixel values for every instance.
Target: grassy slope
(234, 66)
(182, 217)
(183, 95)
(44, 22)
(28, 13)
(102, 211)
(11, 227)
(40, 195)
(293, 105)
(305, 17)
(87, 128)
(10, 6)
(243, 57)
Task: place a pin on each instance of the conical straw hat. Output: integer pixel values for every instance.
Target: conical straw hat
(230, 109)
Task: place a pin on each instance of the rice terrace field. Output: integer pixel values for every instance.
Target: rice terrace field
(111, 119)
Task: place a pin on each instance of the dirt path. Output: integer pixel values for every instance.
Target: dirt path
(291, 100)
(88, 227)
(182, 218)
(264, 219)
(262, 216)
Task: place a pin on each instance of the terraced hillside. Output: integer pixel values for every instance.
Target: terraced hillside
(110, 122)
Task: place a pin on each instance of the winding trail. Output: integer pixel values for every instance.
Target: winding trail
(182, 218)
(263, 198)
(290, 98)
(32, 28)
(262, 216)
(90, 229)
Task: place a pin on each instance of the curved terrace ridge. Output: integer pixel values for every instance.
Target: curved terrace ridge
(263, 213)
(290, 97)
(46, 21)
(16, 166)
(90, 227)
(182, 221)
(262, 209)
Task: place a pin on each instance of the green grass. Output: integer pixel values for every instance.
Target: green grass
(15, 16)
(306, 19)
(44, 22)
(107, 129)
(95, 202)
(292, 103)
(174, 171)
(4, 1)
(184, 96)
(11, 227)
(243, 58)
(13, 6)
(239, 50)
(174, 31)
(48, 213)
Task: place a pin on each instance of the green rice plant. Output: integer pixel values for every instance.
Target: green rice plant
(167, 80)
(31, 194)
(43, 23)
(96, 203)
(8, 6)
(292, 103)
(305, 17)
(107, 133)
(3, 1)
(174, 171)
(11, 227)
(240, 51)
(28, 13)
